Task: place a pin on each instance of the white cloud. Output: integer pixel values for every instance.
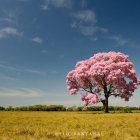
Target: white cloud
(10, 17)
(37, 40)
(119, 39)
(86, 23)
(8, 20)
(4, 32)
(23, 0)
(53, 72)
(27, 92)
(86, 16)
(83, 3)
(94, 39)
(31, 71)
(34, 20)
(22, 92)
(88, 30)
(103, 30)
(5, 77)
(12, 68)
(57, 4)
(45, 7)
(61, 56)
(44, 51)
(74, 25)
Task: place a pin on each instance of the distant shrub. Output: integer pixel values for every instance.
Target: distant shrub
(94, 108)
(10, 108)
(56, 108)
(73, 108)
(36, 108)
(127, 109)
(79, 108)
(2, 108)
(69, 109)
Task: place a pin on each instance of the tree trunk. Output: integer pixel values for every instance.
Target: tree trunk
(105, 104)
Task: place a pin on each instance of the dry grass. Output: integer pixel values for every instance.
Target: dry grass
(69, 125)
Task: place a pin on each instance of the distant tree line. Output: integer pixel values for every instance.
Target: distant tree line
(63, 108)
(35, 108)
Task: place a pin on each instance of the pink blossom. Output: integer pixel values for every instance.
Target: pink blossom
(84, 108)
(82, 96)
(73, 91)
(112, 69)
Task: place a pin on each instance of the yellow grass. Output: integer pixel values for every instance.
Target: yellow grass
(69, 125)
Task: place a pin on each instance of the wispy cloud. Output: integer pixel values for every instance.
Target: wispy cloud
(12, 68)
(5, 77)
(10, 17)
(27, 92)
(94, 39)
(119, 39)
(37, 40)
(22, 92)
(52, 72)
(57, 4)
(44, 51)
(27, 70)
(73, 25)
(86, 16)
(31, 71)
(23, 0)
(83, 3)
(88, 30)
(86, 23)
(62, 56)
(4, 32)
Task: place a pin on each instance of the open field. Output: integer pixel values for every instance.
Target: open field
(69, 125)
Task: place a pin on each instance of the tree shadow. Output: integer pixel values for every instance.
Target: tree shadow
(96, 112)
(102, 112)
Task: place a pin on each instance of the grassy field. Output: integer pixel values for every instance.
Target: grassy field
(69, 125)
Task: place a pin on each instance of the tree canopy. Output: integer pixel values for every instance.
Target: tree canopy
(101, 76)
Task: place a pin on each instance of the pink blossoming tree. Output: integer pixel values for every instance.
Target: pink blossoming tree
(102, 76)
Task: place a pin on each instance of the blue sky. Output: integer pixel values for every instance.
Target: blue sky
(41, 41)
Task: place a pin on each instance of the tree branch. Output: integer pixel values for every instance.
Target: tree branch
(88, 91)
(110, 87)
(115, 94)
(90, 87)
